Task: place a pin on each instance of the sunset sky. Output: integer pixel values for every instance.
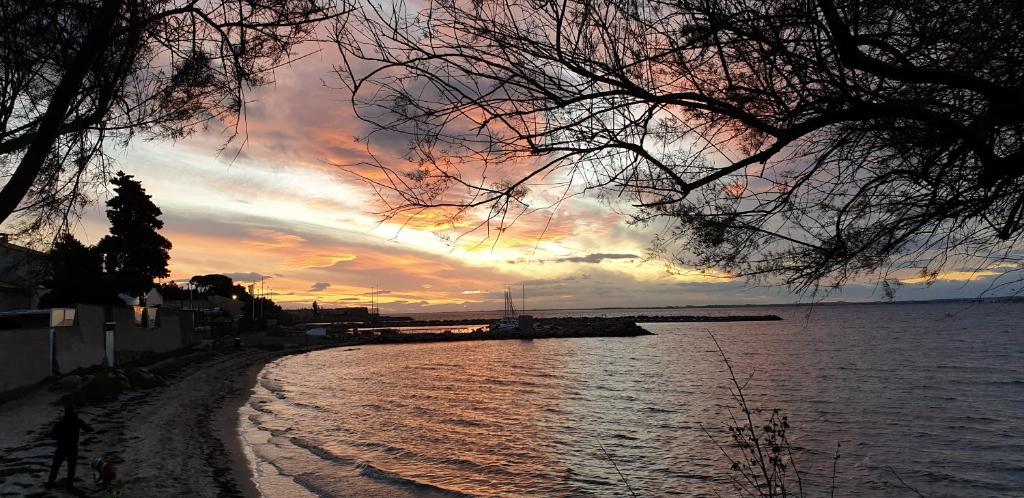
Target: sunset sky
(283, 209)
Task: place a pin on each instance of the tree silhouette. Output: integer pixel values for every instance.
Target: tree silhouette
(75, 275)
(216, 285)
(79, 73)
(802, 142)
(134, 253)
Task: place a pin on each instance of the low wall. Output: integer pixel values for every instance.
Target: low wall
(25, 352)
(82, 345)
(132, 341)
(24, 357)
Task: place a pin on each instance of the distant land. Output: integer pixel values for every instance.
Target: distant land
(961, 300)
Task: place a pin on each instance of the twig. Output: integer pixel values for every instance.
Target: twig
(835, 463)
(610, 459)
(904, 483)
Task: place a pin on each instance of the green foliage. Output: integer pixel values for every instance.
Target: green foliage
(134, 253)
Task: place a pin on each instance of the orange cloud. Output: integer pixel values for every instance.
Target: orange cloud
(952, 276)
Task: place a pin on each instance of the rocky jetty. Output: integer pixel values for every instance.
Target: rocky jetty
(633, 318)
(547, 328)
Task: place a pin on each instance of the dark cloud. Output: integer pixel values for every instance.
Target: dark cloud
(595, 257)
(592, 258)
(319, 286)
(246, 276)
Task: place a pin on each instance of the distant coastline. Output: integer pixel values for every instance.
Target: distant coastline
(976, 300)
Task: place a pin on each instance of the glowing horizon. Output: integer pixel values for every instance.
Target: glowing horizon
(282, 208)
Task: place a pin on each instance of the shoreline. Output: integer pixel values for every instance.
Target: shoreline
(226, 422)
(184, 437)
(262, 462)
(178, 439)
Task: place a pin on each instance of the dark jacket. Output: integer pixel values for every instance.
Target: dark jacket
(66, 431)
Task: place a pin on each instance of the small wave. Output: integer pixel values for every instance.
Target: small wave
(511, 382)
(378, 474)
(463, 422)
(260, 406)
(592, 481)
(543, 375)
(272, 386)
(1012, 382)
(555, 410)
(384, 447)
(309, 406)
(309, 482)
(655, 409)
(978, 418)
(322, 452)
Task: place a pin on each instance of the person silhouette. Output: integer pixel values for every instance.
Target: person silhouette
(66, 433)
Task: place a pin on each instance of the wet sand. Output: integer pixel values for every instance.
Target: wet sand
(177, 440)
(226, 422)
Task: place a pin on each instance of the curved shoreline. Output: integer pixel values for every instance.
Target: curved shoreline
(274, 462)
(237, 389)
(184, 438)
(178, 439)
(226, 423)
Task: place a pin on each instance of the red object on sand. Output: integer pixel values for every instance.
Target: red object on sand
(108, 472)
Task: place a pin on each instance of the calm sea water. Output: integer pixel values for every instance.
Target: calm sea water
(932, 393)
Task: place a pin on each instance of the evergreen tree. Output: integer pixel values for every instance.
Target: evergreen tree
(134, 252)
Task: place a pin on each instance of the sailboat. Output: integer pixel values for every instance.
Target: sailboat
(509, 321)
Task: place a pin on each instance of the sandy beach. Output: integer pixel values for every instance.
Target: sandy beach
(176, 440)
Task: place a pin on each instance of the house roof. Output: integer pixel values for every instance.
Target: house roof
(21, 267)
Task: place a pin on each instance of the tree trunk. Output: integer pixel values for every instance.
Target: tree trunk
(49, 127)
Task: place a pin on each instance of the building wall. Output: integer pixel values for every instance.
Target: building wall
(78, 347)
(24, 357)
(21, 272)
(12, 298)
(132, 341)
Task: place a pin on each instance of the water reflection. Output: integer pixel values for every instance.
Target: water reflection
(937, 398)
